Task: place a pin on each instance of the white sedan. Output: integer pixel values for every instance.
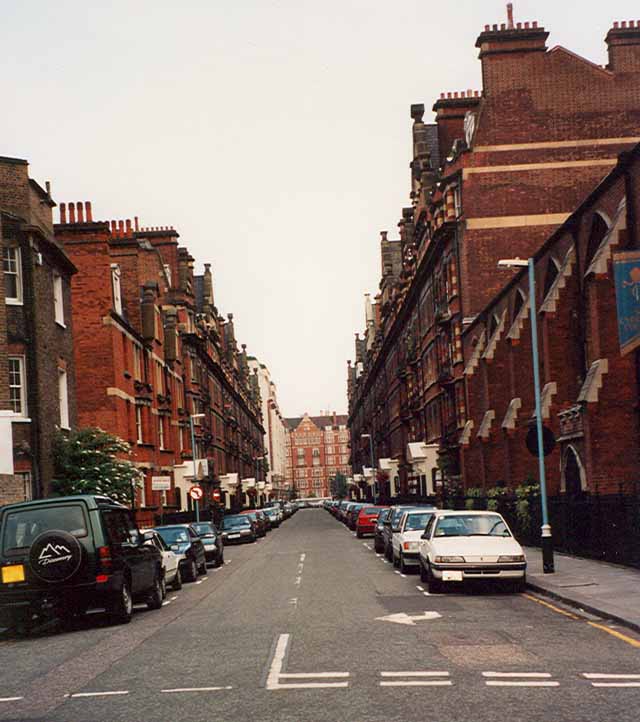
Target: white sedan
(461, 545)
(405, 541)
(170, 561)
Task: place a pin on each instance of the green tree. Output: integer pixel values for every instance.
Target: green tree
(90, 461)
(339, 486)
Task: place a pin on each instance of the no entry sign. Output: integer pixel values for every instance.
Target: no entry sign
(195, 492)
(216, 494)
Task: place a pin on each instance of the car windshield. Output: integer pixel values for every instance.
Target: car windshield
(235, 522)
(271, 512)
(472, 525)
(24, 525)
(397, 515)
(370, 512)
(417, 521)
(203, 528)
(384, 514)
(174, 535)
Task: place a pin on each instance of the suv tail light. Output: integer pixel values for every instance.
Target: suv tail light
(104, 557)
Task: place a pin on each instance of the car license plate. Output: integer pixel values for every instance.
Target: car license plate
(451, 576)
(234, 536)
(12, 574)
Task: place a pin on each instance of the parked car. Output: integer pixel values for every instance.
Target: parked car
(405, 543)
(367, 520)
(170, 561)
(460, 545)
(260, 524)
(62, 555)
(352, 515)
(212, 540)
(238, 528)
(274, 515)
(390, 523)
(183, 539)
(378, 539)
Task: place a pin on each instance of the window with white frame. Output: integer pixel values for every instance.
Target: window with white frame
(24, 481)
(63, 398)
(139, 431)
(137, 362)
(12, 267)
(161, 432)
(18, 385)
(58, 300)
(115, 288)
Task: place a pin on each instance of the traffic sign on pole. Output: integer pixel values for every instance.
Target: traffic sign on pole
(216, 494)
(196, 493)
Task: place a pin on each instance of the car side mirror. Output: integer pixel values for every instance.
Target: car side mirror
(395, 529)
(424, 536)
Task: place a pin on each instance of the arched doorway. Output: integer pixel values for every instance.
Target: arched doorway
(572, 473)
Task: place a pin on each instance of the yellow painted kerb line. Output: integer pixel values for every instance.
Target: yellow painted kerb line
(629, 640)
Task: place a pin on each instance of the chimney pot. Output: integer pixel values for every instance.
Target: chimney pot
(114, 227)
(72, 212)
(623, 24)
(449, 96)
(510, 15)
(494, 28)
(526, 25)
(519, 26)
(63, 213)
(135, 220)
(442, 96)
(88, 212)
(503, 26)
(534, 24)
(80, 211)
(47, 185)
(487, 28)
(128, 226)
(121, 228)
(616, 24)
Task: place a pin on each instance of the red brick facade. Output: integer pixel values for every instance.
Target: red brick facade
(151, 351)
(317, 449)
(499, 172)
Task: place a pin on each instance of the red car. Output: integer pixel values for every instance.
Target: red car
(366, 521)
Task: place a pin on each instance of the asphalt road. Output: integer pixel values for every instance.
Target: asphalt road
(289, 630)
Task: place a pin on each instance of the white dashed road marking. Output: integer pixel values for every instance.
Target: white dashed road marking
(519, 679)
(98, 694)
(415, 679)
(10, 699)
(194, 689)
(612, 680)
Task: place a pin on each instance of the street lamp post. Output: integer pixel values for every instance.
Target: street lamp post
(193, 454)
(368, 436)
(547, 539)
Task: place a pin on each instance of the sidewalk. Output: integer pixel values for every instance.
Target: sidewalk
(600, 588)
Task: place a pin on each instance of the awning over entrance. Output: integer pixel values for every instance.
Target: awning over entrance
(423, 458)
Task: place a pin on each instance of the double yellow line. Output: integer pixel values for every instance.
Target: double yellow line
(613, 632)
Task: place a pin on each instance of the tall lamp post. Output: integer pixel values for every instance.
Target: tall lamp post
(547, 539)
(193, 454)
(368, 436)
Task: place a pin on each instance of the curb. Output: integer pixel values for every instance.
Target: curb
(582, 606)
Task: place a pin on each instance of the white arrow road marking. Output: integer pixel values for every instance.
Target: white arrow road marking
(403, 618)
(613, 680)
(275, 672)
(519, 679)
(409, 682)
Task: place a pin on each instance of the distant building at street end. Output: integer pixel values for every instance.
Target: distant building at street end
(37, 374)
(153, 354)
(317, 449)
(496, 174)
(275, 430)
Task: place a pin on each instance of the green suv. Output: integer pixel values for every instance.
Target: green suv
(60, 556)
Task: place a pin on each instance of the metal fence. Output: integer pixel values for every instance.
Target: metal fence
(596, 526)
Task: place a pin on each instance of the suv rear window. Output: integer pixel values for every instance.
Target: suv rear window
(24, 525)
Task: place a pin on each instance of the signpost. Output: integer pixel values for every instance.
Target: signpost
(216, 495)
(196, 493)
(162, 484)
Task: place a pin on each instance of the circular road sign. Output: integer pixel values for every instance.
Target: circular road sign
(548, 440)
(216, 494)
(195, 492)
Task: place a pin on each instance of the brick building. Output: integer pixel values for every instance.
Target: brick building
(591, 388)
(151, 352)
(498, 172)
(317, 449)
(275, 430)
(37, 376)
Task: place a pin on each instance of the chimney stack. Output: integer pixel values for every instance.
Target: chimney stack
(63, 213)
(510, 16)
(72, 212)
(623, 43)
(88, 212)
(80, 209)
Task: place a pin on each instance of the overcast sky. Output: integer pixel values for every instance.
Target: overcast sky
(274, 135)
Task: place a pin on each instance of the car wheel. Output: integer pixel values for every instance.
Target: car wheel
(396, 561)
(434, 585)
(163, 586)
(220, 560)
(192, 571)
(121, 608)
(154, 600)
(203, 568)
(177, 581)
(423, 572)
(404, 569)
(359, 534)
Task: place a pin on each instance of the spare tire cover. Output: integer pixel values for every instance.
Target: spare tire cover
(55, 556)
